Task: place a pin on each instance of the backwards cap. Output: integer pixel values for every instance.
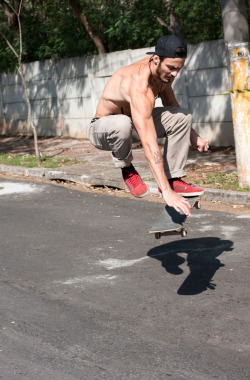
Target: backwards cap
(170, 46)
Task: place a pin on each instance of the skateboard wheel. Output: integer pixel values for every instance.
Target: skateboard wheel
(198, 205)
(183, 232)
(157, 235)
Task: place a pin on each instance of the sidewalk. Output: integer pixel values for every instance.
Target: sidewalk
(96, 167)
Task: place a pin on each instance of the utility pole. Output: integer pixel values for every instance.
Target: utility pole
(236, 36)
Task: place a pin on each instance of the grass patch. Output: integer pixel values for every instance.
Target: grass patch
(224, 181)
(148, 179)
(30, 161)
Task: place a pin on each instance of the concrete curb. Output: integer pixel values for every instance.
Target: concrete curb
(96, 179)
(229, 196)
(215, 195)
(19, 170)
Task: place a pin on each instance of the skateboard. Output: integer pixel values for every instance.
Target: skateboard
(171, 222)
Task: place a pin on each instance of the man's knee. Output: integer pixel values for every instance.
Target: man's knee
(173, 116)
(124, 129)
(184, 118)
(188, 119)
(186, 114)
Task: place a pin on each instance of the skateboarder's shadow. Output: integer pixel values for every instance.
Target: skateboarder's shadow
(201, 259)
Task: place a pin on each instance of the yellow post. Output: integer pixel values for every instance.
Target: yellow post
(239, 84)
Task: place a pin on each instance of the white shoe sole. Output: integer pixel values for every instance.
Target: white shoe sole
(191, 194)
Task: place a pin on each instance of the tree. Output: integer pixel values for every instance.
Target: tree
(174, 26)
(11, 12)
(87, 25)
(54, 29)
(18, 54)
(236, 35)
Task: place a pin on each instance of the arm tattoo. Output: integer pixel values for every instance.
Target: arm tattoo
(157, 157)
(139, 71)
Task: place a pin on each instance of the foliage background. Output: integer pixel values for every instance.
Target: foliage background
(51, 29)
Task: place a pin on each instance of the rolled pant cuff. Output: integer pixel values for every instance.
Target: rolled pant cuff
(122, 163)
(176, 174)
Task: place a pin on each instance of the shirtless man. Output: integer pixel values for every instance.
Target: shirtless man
(128, 102)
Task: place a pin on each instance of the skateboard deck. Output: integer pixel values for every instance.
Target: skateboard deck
(171, 222)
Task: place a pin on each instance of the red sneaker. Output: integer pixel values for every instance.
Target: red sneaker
(135, 184)
(185, 189)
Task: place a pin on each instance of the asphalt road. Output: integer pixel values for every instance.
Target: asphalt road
(87, 293)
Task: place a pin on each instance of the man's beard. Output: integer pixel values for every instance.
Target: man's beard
(159, 73)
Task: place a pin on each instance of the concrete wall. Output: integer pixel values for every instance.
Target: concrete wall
(64, 94)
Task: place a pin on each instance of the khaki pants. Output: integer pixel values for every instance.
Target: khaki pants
(114, 133)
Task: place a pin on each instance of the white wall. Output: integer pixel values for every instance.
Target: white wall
(64, 94)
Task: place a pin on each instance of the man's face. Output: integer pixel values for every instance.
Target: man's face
(168, 69)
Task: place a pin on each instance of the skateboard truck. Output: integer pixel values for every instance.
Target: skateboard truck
(182, 232)
(171, 222)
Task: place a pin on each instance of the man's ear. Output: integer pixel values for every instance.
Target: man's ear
(156, 59)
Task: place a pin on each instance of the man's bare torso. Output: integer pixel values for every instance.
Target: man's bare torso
(116, 98)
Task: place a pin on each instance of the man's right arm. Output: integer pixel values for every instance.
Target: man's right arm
(142, 104)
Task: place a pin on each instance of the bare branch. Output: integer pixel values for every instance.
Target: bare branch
(19, 3)
(16, 12)
(163, 23)
(9, 44)
(169, 5)
(20, 28)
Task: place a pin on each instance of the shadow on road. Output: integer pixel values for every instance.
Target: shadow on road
(201, 258)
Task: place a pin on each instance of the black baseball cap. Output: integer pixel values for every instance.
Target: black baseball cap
(170, 46)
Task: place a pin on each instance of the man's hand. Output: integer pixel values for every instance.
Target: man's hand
(177, 202)
(198, 142)
(201, 144)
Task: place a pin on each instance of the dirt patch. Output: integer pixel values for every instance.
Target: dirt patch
(216, 176)
(216, 170)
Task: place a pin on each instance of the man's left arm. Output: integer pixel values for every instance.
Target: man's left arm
(169, 100)
(198, 142)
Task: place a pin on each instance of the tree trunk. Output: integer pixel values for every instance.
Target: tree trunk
(97, 40)
(174, 26)
(30, 121)
(236, 35)
(11, 14)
